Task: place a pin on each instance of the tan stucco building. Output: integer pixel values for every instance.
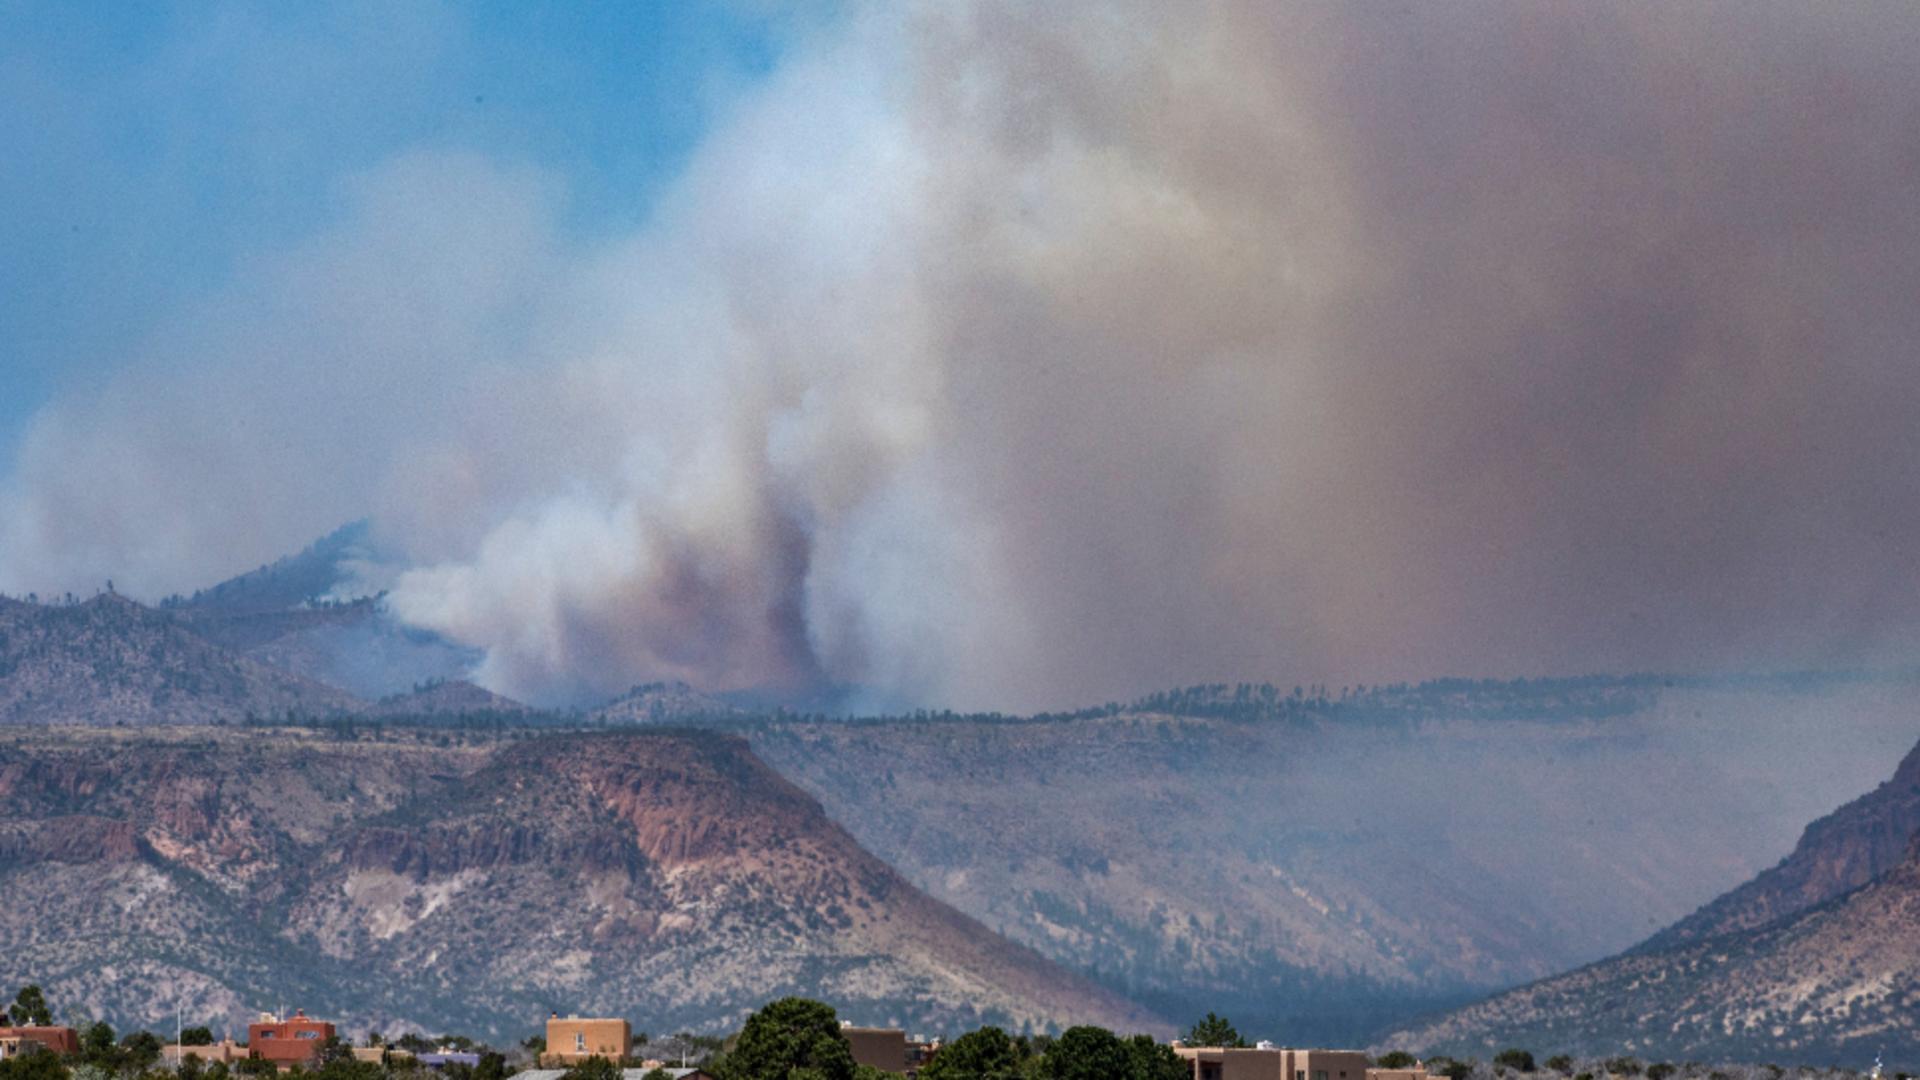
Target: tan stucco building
(1266, 1062)
(226, 1052)
(573, 1039)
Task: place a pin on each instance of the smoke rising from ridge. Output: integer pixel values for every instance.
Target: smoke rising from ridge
(1012, 357)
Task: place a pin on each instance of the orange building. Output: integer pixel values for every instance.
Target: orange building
(294, 1041)
(576, 1038)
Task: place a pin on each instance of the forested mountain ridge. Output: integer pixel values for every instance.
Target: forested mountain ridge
(108, 660)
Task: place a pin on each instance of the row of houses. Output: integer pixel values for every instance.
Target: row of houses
(1269, 1062)
(298, 1039)
(573, 1039)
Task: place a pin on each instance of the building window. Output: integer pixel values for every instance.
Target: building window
(580, 1042)
(1319, 1074)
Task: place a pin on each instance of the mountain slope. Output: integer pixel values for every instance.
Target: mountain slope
(1838, 982)
(661, 703)
(1815, 960)
(1840, 852)
(314, 615)
(290, 582)
(440, 881)
(109, 660)
(1320, 871)
(453, 700)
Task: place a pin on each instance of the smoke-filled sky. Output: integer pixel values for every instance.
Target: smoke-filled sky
(985, 354)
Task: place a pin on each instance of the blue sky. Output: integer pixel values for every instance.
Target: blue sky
(152, 146)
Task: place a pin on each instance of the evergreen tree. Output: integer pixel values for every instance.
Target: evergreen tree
(594, 1068)
(1086, 1053)
(791, 1039)
(30, 1007)
(986, 1054)
(1211, 1030)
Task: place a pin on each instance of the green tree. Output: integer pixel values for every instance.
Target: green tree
(1561, 1064)
(986, 1054)
(594, 1068)
(1659, 1071)
(34, 1065)
(791, 1039)
(189, 1068)
(254, 1066)
(1086, 1053)
(415, 1043)
(1154, 1060)
(1623, 1066)
(868, 1072)
(348, 1068)
(30, 1007)
(1449, 1068)
(657, 1073)
(335, 1049)
(97, 1043)
(492, 1066)
(1514, 1058)
(1396, 1059)
(1211, 1030)
(142, 1047)
(196, 1036)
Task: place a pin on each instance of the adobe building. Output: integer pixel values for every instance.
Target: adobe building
(17, 1040)
(226, 1052)
(295, 1040)
(882, 1048)
(575, 1039)
(1269, 1062)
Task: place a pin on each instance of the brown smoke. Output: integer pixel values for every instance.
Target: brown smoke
(1019, 355)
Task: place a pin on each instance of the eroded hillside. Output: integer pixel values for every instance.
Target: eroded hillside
(1318, 871)
(452, 883)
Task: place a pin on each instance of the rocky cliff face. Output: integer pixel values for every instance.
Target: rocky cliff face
(1838, 853)
(1816, 961)
(419, 879)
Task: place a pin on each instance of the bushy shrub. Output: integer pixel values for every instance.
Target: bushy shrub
(1514, 1058)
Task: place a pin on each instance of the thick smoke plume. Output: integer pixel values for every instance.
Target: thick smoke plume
(1017, 355)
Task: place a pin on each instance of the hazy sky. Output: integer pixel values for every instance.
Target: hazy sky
(989, 354)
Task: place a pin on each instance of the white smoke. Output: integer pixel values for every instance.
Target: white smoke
(1014, 356)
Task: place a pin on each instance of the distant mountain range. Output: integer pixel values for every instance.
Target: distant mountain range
(109, 660)
(1817, 959)
(1321, 864)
